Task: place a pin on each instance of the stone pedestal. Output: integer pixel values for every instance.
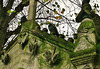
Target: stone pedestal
(85, 51)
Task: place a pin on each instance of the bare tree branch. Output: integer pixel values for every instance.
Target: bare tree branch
(60, 15)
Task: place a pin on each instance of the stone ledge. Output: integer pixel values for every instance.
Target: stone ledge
(80, 60)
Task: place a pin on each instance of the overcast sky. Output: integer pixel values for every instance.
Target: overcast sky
(70, 9)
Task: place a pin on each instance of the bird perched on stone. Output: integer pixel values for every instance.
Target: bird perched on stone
(44, 30)
(53, 29)
(70, 40)
(61, 36)
(75, 36)
(23, 19)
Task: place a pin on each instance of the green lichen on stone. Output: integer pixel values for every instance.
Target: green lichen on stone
(30, 25)
(98, 55)
(20, 68)
(83, 52)
(86, 25)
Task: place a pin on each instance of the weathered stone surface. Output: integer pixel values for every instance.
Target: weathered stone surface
(86, 41)
(24, 59)
(86, 66)
(83, 44)
(51, 53)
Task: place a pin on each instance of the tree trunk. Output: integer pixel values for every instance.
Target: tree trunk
(32, 10)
